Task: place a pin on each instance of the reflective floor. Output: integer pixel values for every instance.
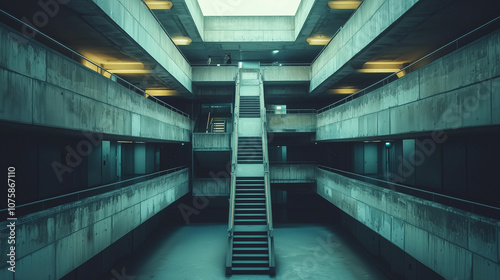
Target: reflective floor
(198, 251)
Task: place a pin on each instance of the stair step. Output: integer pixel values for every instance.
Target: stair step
(250, 215)
(250, 256)
(240, 194)
(249, 243)
(246, 210)
(245, 229)
(250, 270)
(250, 221)
(250, 263)
(243, 199)
(250, 236)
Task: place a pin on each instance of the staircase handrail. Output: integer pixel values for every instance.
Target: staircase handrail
(267, 186)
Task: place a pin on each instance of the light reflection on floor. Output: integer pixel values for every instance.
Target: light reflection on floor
(198, 252)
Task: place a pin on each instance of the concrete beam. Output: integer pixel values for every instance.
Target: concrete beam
(136, 21)
(446, 239)
(285, 74)
(292, 173)
(369, 21)
(56, 91)
(250, 29)
(291, 123)
(459, 90)
(53, 242)
(196, 16)
(214, 74)
(212, 141)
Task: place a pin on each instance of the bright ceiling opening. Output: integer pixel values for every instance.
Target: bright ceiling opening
(249, 8)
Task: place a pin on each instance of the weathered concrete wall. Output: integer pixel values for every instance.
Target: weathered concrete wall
(53, 242)
(214, 74)
(211, 187)
(211, 141)
(456, 91)
(250, 29)
(292, 173)
(454, 243)
(291, 123)
(302, 14)
(42, 87)
(285, 73)
(197, 16)
(136, 20)
(368, 22)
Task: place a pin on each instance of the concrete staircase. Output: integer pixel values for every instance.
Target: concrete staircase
(250, 244)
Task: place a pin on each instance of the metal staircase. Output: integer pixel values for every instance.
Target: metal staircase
(250, 229)
(218, 125)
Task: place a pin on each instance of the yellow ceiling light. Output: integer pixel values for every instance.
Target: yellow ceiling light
(344, 5)
(159, 5)
(318, 40)
(125, 68)
(161, 92)
(343, 90)
(181, 40)
(383, 67)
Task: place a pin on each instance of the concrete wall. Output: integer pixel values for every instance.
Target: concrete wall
(454, 243)
(211, 187)
(53, 242)
(285, 73)
(456, 91)
(368, 22)
(302, 14)
(250, 29)
(42, 87)
(291, 123)
(136, 20)
(214, 74)
(211, 141)
(196, 15)
(292, 173)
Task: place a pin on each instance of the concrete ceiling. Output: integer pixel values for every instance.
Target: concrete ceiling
(430, 24)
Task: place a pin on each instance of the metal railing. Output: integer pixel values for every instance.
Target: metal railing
(267, 183)
(74, 53)
(463, 204)
(408, 67)
(232, 192)
(291, 111)
(78, 195)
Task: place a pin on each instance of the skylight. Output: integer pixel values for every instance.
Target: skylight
(249, 8)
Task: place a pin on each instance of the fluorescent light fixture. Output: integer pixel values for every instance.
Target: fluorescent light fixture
(344, 90)
(276, 51)
(125, 68)
(161, 92)
(181, 40)
(159, 5)
(278, 107)
(344, 5)
(318, 40)
(383, 67)
(125, 142)
(129, 71)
